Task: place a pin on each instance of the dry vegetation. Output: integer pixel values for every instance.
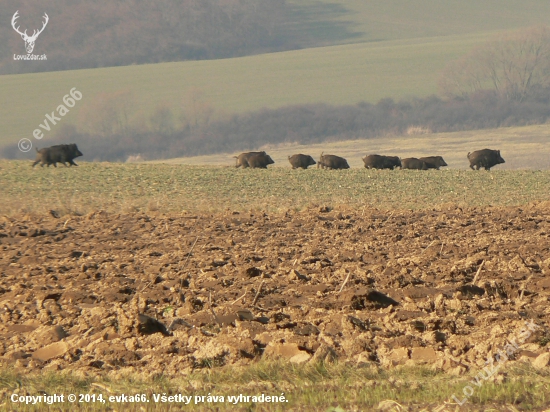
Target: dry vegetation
(324, 285)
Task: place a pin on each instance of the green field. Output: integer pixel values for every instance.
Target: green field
(336, 74)
(374, 50)
(124, 188)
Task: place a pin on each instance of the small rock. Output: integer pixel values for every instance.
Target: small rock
(264, 320)
(285, 350)
(295, 275)
(306, 330)
(471, 290)
(325, 354)
(542, 361)
(363, 298)
(395, 357)
(245, 315)
(148, 325)
(54, 350)
(48, 334)
(252, 272)
(399, 354)
(300, 358)
(423, 354)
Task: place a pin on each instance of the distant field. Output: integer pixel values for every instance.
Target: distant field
(337, 21)
(522, 148)
(168, 188)
(338, 75)
(394, 48)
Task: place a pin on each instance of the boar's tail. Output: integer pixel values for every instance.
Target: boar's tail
(468, 156)
(36, 148)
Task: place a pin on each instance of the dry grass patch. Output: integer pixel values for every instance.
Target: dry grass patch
(341, 387)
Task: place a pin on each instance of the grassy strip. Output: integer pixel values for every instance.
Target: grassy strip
(122, 188)
(310, 387)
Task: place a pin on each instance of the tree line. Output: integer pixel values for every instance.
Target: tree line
(514, 65)
(163, 137)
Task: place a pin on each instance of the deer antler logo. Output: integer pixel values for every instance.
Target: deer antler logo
(29, 40)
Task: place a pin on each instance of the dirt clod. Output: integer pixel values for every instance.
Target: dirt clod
(113, 292)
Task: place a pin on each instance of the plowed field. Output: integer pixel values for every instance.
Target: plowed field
(154, 293)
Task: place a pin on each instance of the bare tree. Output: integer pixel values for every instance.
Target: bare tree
(515, 66)
(162, 119)
(197, 111)
(108, 113)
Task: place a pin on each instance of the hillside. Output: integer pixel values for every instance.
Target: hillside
(339, 21)
(335, 74)
(89, 34)
(370, 51)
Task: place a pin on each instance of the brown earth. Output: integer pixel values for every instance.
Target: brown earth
(166, 294)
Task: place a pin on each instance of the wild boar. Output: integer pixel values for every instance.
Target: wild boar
(242, 159)
(381, 162)
(260, 161)
(486, 158)
(301, 161)
(332, 162)
(63, 153)
(433, 162)
(413, 163)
